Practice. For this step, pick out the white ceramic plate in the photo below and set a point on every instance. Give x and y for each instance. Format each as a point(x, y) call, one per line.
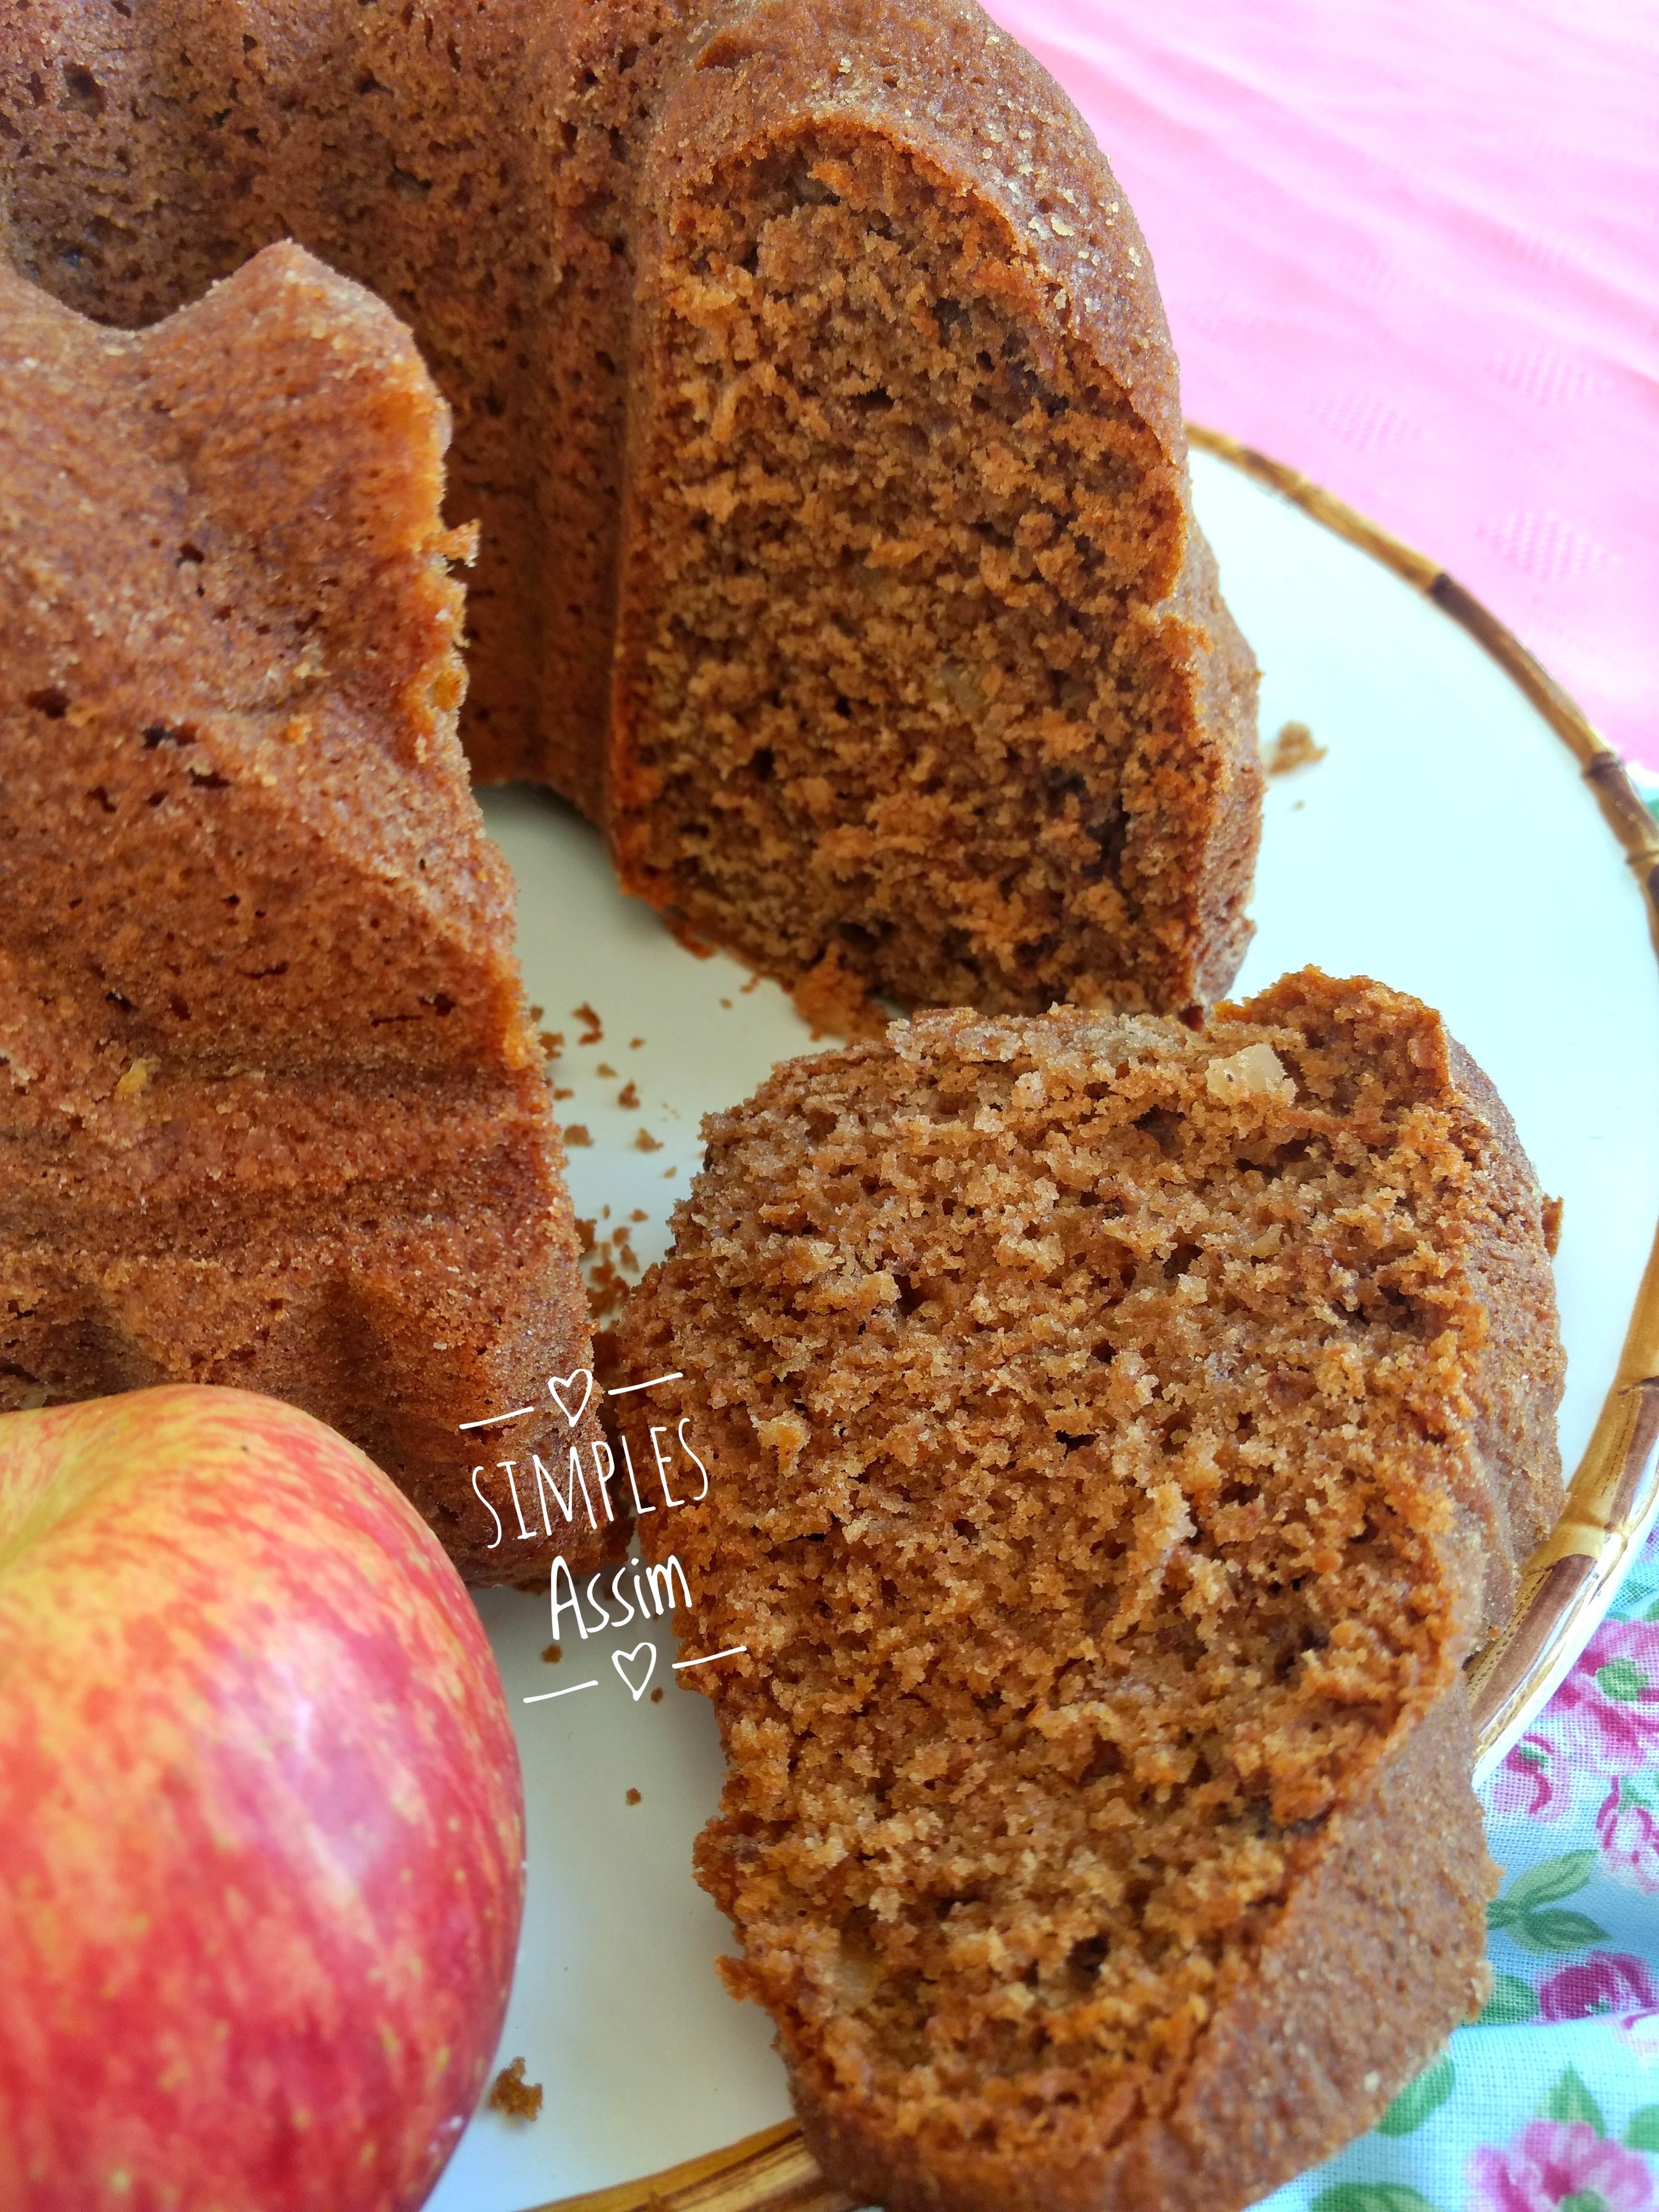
point(1447, 844)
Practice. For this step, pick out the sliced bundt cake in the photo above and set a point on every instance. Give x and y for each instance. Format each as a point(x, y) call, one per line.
point(1121, 1433)
point(273, 1112)
point(813, 393)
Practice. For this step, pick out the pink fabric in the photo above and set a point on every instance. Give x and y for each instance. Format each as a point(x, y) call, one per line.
point(1412, 250)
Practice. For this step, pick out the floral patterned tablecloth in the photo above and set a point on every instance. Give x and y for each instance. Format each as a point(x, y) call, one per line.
point(1551, 2102)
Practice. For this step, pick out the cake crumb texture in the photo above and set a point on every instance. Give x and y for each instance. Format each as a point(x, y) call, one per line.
point(1122, 1434)
point(923, 702)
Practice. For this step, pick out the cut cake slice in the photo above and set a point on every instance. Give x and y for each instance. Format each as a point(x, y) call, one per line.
point(1121, 1436)
point(274, 1114)
point(812, 391)
point(924, 684)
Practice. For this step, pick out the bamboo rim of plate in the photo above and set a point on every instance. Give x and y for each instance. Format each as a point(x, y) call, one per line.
point(1613, 1493)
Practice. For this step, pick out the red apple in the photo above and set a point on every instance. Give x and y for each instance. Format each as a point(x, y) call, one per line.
point(261, 1826)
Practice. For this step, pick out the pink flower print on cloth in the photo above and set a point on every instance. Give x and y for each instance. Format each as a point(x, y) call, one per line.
point(1639, 2033)
point(1627, 1830)
point(1533, 1782)
point(1554, 2168)
point(1608, 1709)
point(1608, 1981)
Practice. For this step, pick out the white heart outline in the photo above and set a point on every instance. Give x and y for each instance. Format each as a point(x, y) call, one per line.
point(621, 1660)
point(558, 1384)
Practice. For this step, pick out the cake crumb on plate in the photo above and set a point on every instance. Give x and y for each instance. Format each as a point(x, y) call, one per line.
point(511, 2093)
point(1293, 747)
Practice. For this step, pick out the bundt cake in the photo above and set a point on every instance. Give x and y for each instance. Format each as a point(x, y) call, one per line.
point(274, 1112)
point(813, 393)
point(1121, 1434)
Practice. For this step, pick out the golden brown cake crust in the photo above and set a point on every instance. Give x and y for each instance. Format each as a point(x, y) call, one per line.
point(497, 175)
point(1121, 1434)
point(1378, 1952)
point(273, 1110)
point(1514, 1368)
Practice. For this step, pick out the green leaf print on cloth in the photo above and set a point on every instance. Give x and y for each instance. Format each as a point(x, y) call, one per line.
point(1567, 2099)
point(1511, 2002)
point(1528, 1914)
point(1371, 2196)
point(1622, 1679)
point(1419, 2100)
